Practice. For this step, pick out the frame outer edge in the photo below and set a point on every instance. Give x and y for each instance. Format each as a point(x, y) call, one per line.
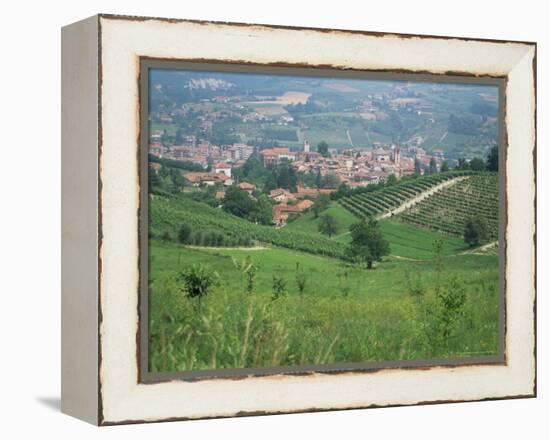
point(80, 225)
point(100, 420)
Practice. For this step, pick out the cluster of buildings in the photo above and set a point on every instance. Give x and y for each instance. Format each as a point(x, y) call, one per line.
point(287, 203)
point(355, 167)
point(201, 153)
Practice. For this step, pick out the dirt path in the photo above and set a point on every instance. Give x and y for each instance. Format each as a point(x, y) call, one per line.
point(225, 248)
point(479, 250)
point(421, 196)
point(349, 139)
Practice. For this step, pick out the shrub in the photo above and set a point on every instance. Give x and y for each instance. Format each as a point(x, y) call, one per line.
point(219, 239)
point(184, 234)
point(197, 238)
point(451, 302)
point(475, 232)
point(279, 287)
point(198, 281)
point(301, 279)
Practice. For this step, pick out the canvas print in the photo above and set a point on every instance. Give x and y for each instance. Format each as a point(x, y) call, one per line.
point(300, 220)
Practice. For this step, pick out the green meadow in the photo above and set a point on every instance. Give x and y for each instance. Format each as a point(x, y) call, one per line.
point(343, 313)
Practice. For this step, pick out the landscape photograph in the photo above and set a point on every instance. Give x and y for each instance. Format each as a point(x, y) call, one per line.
point(302, 220)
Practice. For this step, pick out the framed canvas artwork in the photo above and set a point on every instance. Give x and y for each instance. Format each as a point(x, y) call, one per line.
point(264, 219)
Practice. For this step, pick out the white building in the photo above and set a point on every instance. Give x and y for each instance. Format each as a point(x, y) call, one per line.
point(223, 168)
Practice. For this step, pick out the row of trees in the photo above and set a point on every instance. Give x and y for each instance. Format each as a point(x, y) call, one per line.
point(187, 236)
point(478, 164)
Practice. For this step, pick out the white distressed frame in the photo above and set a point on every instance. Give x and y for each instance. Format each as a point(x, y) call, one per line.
point(123, 41)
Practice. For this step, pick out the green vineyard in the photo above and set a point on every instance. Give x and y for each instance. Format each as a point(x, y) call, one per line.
point(386, 199)
point(449, 209)
point(167, 214)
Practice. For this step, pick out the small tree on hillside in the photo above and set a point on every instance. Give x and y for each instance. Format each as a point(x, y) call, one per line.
point(462, 164)
point(328, 225)
point(367, 243)
point(331, 180)
point(184, 234)
point(301, 279)
point(392, 180)
point(450, 309)
point(279, 287)
point(475, 231)
point(492, 159)
point(417, 167)
point(322, 148)
point(320, 204)
point(444, 167)
point(477, 164)
point(238, 202)
point(433, 166)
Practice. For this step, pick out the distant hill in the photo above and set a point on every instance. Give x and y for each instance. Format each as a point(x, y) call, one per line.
point(460, 119)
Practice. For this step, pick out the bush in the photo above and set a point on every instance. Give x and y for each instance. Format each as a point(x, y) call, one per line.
point(198, 281)
point(279, 287)
point(197, 238)
point(475, 231)
point(184, 234)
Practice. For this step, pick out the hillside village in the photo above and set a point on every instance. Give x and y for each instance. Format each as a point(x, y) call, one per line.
point(352, 167)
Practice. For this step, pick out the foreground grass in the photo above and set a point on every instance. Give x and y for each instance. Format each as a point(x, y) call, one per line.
point(346, 314)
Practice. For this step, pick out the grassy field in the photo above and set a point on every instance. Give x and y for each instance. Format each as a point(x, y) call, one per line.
point(345, 314)
point(403, 309)
point(308, 223)
point(405, 240)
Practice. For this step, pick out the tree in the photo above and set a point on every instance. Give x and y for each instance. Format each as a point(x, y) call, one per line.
point(279, 287)
point(477, 164)
point(270, 182)
point(238, 202)
point(320, 204)
point(444, 167)
point(392, 180)
point(263, 211)
point(367, 243)
point(343, 191)
point(492, 159)
point(475, 231)
point(462, 164)
point(322, 149)
point(301, 279)
point(450, 303)
point(417, 166)
point(433, 166)
point(318, 179)
point(328, 225)
point(198, 281)
point(331, 180)
point(184, 233)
